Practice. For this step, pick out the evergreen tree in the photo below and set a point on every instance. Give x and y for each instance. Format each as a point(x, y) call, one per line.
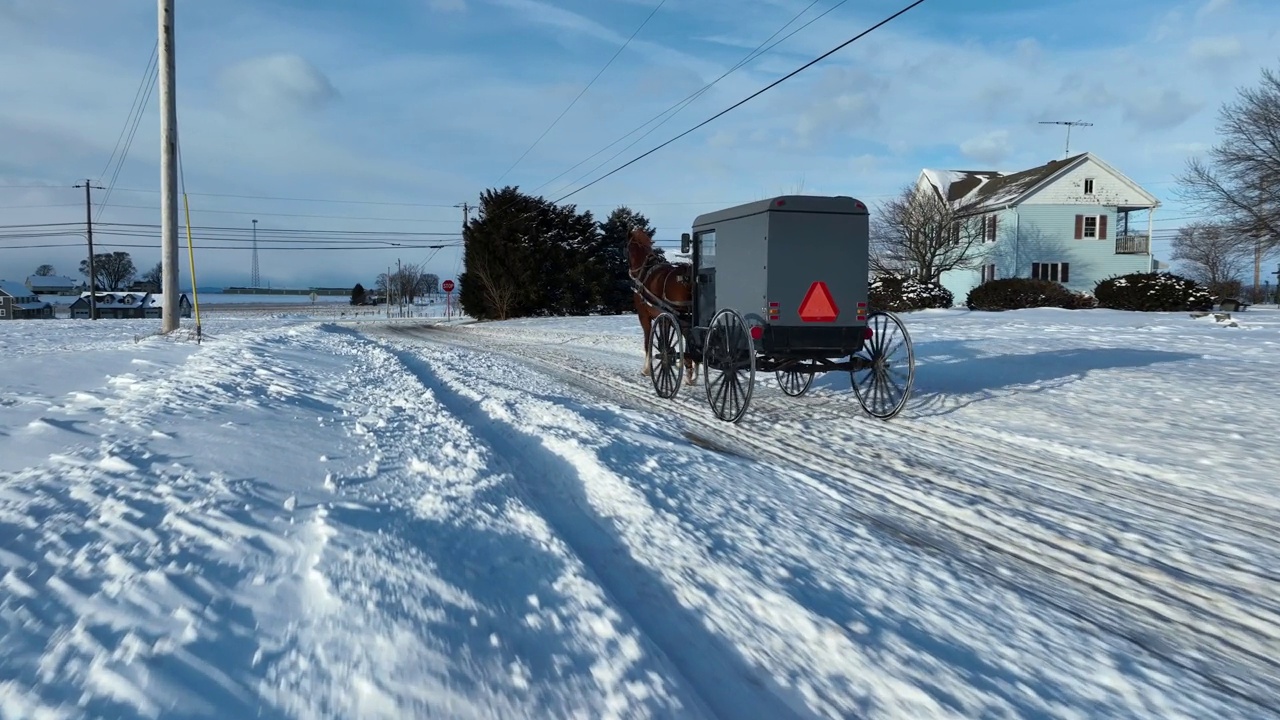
point(357, 294)
point(498, 252)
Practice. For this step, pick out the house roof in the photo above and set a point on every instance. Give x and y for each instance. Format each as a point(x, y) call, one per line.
point(13, 289)
point(977, 190)
point(50, 281)
point(32, 305)
point(157, 299)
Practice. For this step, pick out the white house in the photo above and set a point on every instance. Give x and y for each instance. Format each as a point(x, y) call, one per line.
point(52, 285)
point(1067, 220)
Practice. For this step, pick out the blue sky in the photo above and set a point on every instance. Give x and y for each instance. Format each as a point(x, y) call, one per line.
point(383, 116)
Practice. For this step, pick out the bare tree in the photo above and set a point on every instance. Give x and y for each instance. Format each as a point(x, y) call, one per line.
point(44, 271)
point(113, 271)
point(1239, 183)
point(920, 234)
point(1214, 253)
point(501, 290)
point(154, 276)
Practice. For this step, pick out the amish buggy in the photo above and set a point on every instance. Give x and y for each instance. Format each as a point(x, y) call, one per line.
point(777, 285)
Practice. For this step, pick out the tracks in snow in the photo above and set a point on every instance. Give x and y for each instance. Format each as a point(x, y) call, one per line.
point(1209, 630)
point(723, 684)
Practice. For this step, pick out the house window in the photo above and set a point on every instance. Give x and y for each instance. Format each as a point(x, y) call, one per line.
point(1088, 186)
point(1055, 272)
point(989, 228)
point(988, 273)
point(2, 312)
point(1091, 227)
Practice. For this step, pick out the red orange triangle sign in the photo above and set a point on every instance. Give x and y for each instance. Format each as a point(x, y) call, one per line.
point(818, 305)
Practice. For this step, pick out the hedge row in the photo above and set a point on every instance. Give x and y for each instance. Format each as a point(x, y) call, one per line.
point(1148, 292)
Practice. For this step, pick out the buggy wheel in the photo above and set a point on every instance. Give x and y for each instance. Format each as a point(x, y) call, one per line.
point(729, 365)
point(666, 350)
point(887, 369)
point(794, 382)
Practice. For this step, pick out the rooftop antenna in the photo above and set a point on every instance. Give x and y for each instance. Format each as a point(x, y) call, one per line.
point(1069, 124)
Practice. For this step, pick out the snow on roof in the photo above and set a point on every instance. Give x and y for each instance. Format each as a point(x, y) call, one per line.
point(975, 190)
point(50, 281)
point(32, 305)
point(13, 289)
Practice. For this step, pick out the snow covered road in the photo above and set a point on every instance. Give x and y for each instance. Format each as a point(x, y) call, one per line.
point(390, 520)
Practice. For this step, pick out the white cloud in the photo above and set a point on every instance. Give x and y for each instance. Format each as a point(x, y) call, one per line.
point(284, 83)
point(1211, 7)
point(1217, 52)
point(990, 149)
point(1160, 110)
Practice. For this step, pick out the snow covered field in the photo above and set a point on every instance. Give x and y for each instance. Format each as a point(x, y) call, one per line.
point(1077, 516)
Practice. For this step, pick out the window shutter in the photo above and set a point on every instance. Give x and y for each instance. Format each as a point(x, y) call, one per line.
point(1035, 270)
point(1079, 227)
point(1102, 227)
point(991, 229)
point(1066, 272)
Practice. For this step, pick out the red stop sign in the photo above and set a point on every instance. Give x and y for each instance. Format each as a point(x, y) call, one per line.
point(447, 285)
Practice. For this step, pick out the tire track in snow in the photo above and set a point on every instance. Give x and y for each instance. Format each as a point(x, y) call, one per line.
point(468, 601)
point(1154, 481)
point(1015, 479)
point(724, 683)
point(1234, 660)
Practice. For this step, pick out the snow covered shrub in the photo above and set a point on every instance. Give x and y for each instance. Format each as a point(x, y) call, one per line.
point(1152, 292)
point(901, 293)
point(1082, 301)
point(1021, 293)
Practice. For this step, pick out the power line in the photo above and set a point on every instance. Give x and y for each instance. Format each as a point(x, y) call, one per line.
point(142, 84)
point(750, 97)
point(688, 100)
point(133, 121)
point(583, 91)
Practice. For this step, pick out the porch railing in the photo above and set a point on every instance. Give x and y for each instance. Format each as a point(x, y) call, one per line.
point(1132, 244)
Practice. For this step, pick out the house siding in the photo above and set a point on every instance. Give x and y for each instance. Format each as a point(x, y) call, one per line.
point(961, 280)
point(1046, 234)
point(1069, 189)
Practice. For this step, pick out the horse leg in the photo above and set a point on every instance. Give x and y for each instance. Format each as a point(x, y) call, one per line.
point(646, 323)
point(691, 373)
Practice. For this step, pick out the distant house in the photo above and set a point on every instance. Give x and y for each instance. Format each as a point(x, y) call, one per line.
point(113, 304)
point(17, 302)
point(122, 304)
point(1067, 220)
point(154, 305)
point(52, 285)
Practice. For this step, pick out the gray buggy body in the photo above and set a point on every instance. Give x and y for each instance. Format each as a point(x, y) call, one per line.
point(781, 286)
point(751, 256)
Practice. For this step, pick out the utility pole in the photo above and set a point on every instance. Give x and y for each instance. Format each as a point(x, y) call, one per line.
point(168, 171)
point(1070, 124)
point(255, 279)
point(88, 226)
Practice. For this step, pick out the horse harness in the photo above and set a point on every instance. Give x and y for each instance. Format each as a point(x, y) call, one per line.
point(653, 265)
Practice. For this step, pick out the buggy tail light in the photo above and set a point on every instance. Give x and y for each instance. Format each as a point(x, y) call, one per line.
point(757, 332)
point(868, 333)
point(862, 313)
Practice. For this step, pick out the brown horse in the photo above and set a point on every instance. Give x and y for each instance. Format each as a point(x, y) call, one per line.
point(668, 288)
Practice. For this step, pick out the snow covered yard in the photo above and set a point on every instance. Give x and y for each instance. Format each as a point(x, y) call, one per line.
point(1077, 516)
